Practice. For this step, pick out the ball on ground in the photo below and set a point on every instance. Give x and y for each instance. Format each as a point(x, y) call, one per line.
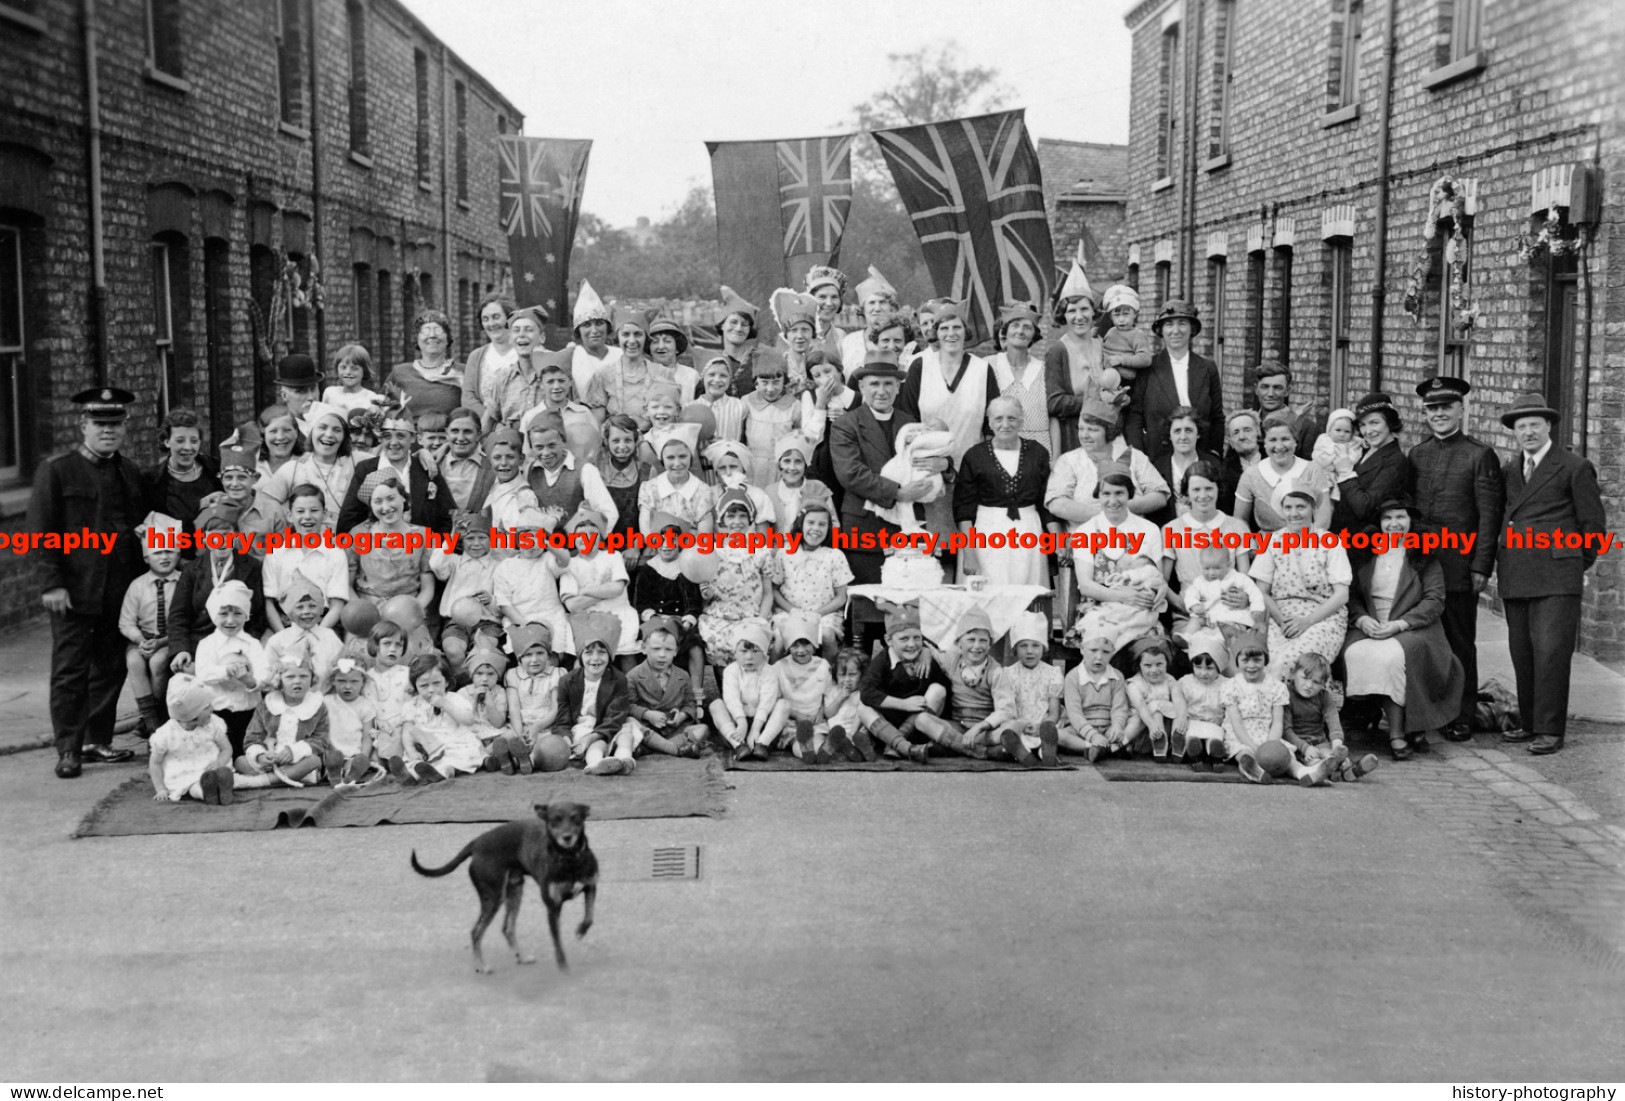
point(1274, 757)
point(552, 753)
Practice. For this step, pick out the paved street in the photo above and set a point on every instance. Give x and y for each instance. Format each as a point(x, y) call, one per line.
point(1459, 917)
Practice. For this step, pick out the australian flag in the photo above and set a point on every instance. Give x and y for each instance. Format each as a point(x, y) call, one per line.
point(973, 189)
point(540, 182)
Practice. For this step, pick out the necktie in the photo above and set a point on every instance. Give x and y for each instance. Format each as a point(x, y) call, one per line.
point(158, 584)
point(1528, 467)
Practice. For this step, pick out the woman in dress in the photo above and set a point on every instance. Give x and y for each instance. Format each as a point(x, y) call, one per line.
point(327, 465)
point(1305, 592)
point(1262, 488)
point(1382, 473)
point(1396, 647)
point(487, 363)
point(1000, 488)
point(667, 341)
point(385, 572)
point(280, 439)
point(1199, 489)
point(1243, 450)
point(1017, 375)
point(828, 286)
point(876, 297)
point(1095, 571)
point(1070, 494)
point(181, 482)
point(434, 381)
point(949, 384)
point(620, 387)
point(1182, 434)
point(1072, 370)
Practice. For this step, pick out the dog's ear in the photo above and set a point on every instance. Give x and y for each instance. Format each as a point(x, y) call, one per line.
point(583, 808)
point(540, 809)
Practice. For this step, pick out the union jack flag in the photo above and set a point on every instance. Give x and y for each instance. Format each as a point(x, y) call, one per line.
point(539, 182)
point(972, 187)
point(815, 193)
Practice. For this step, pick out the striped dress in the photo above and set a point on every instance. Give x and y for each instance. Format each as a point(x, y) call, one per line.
point(1026, 386)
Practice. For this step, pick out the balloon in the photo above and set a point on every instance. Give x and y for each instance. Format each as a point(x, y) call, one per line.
point(1273, 757)
point(552, 753)
point(699, 568)
point(359, 617)
point(402, 611)
point(467, 612)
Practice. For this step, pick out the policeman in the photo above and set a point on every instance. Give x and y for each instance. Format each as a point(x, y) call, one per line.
point(94, 487)
point(1456, 483)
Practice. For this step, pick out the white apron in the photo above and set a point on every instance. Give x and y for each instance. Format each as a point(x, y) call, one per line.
point(962, 410)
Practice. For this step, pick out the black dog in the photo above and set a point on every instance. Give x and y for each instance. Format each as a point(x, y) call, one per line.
point(553, 851)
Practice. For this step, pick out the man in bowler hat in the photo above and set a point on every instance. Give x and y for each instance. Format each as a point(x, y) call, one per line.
point(90, 487)
point(1456, 483)
point(1552, 498)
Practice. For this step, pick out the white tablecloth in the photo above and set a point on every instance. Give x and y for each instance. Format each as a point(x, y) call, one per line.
point(942, 608)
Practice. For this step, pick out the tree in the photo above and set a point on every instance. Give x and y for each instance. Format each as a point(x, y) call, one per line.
point(932, 84)
point(681, 262)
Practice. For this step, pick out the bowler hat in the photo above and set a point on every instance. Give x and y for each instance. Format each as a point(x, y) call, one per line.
point(299, 371)
point(876, 367)
point(1530, 405)
point(1177, 308)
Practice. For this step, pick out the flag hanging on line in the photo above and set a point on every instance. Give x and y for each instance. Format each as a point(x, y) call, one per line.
point(540, 182)
point(973, 189)
point(781, 208)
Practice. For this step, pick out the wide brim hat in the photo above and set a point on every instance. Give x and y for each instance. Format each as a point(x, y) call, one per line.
point(876, 368)
point(1530, 405)
point(1176, 308)
point(667, 325)
point(298, 370)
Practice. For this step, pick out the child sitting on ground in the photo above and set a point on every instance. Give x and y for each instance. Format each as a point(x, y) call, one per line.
point(1340, 442)
point(306, 634)
point(905, 681)
point(1156, 705)
point(143, 619)
point(748, 715)
point(1203, 689)
point(1036, 688)
point(1313, 728)
point(190, 754)
point(488, 700)
point(595, 701)
point(662, 706)
point(469, 593)
point(389, 686)
point(1204, 598)
point(980, 699)
point(1126, 348)
point(858, 723)
point(1096, 698)
point(352, 721)
point(533, 694)
point(233, 663)
point(660, 589)
point(1254, 719)
point(804, 679)
point(437, 727)
point(287, 737)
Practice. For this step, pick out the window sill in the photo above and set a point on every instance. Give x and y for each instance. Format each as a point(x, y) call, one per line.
point(166, 80)
point(1464, 66)
point(464, 204)
point(1340, 116)
point(361, 159)
point(21, 19)
point(1162, 185)
point(14, 500)
point(1214, 164)
point(425, 186)
point(293, 131)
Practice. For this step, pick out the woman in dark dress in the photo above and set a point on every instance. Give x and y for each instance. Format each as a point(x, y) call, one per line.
point(1000, 488)
point(179, 484)
point(1383, 472)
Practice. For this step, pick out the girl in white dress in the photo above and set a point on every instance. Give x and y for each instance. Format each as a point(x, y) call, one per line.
point(190, 755)
point(813, 580)
point(596, 580)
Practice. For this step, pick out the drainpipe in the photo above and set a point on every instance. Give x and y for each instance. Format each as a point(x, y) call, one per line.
point(1380, 257)
point(98, 262)
point(445, 199)
point(1187, 232)
point(318, 237)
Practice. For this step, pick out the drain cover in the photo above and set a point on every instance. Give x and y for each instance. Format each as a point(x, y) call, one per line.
point(675, 862)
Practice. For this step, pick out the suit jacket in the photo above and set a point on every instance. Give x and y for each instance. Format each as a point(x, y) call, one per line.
point(1153, 396)
point(859, 447)
point(426, 509)
point(1433, 674)
point(1562, 494)
point(1456, 483)
point(189, 610)
point(67, 498)
point(614, 703)
point(1379, 475)
point(483, 483)
point(1164, 465)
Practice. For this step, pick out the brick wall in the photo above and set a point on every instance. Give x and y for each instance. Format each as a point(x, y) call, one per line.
point(1544, 97)
point(206, 160)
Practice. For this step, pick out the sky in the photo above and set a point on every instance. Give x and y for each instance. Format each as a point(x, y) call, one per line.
point(650, 81)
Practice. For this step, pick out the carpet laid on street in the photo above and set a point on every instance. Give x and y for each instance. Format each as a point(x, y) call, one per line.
point(662, 787)
point(785, 762)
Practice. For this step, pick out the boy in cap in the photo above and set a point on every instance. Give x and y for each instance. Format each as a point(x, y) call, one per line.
point(669, 720)
point(905, 680)
point(305, 633)
point(143, 619)
point(750, 714)
point(189, 753)
point(1126, 348)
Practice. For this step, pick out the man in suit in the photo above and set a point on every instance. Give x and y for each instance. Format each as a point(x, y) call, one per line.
point(429, 499)
point(1456, 484)
point(1177, 376)
point(1552, 502)
point(1273, 387)
point(91, 487)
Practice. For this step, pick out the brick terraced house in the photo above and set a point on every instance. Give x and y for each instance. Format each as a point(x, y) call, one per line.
point(177, 177)
point(1371, 191)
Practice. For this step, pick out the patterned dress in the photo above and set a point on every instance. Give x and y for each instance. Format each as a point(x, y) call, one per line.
point(1034, 690)
point(1257, 704)
point(736, 599)
point(1299, 582)
point(691, 502)
point(605, 568)
point(1025, 385)
point(1204, 705)
point(808, 579)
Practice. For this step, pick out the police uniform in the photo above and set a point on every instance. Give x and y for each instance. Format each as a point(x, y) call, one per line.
point(73, 492)
point(1457, 484)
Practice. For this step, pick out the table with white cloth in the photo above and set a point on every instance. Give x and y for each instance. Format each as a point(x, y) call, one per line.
point(942, 607)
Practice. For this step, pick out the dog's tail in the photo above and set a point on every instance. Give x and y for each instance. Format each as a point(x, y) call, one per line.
point(468, 850)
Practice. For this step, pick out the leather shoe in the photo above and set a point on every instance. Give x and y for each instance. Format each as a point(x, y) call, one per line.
point(1457, 732)
point(1546, 743)
point(106, 754)
point(67, 766)
point(1518, 736)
